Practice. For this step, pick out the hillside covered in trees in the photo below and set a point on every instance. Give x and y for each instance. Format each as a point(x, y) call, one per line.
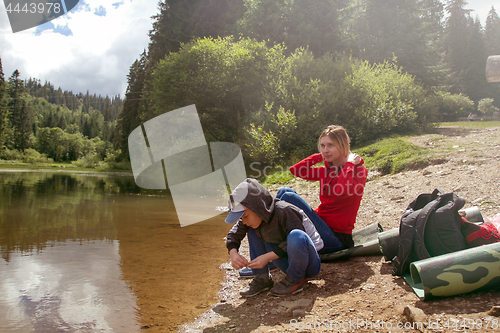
point(269, 75)
point(39, 123)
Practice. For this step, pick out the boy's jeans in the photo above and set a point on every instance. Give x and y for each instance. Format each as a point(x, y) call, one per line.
point(332, 243)
point(303, 260)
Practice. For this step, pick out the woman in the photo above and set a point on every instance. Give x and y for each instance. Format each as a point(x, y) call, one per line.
point(342, 180)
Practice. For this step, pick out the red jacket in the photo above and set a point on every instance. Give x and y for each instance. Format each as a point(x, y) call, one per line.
point(340, 194)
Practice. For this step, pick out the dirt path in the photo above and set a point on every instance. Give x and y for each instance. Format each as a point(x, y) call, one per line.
point(360, 293)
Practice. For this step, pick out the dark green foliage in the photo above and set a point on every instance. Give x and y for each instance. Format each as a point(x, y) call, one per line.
point(492, 42)
point(62, 146)
point(60, 132)
point(3, 105)
point(301, 23)
point(21, 116)
point(419, 69)
point(134, 106)
point(275, 106)
point(179, 21)
point(226, 80)
point(109, 107)
point(492, 33)
point(405, 30)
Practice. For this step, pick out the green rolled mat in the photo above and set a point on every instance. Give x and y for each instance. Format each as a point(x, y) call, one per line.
point(389, 243)
point(456, 273)
point(367, 233)
point(365, 243)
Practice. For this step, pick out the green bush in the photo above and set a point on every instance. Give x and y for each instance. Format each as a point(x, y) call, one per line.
point(453, 106)
point(276, 105)
point(11, 155)
point(27, 156)
point(486, 107)
point(91, 160)
point(33, 157)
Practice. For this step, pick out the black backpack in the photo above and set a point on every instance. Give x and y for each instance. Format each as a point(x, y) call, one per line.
point(429, 227)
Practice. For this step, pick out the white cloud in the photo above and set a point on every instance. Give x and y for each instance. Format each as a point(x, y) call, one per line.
point(96, 57)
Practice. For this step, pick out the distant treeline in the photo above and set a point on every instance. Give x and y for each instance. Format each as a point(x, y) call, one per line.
point(39, 123)
point(109, 107)
point(269, 75)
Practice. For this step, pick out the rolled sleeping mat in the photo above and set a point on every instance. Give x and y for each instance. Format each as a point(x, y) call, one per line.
point(367, 233)
point(389, 243)
point(460, 272)
point(369, 248)
point(365, 243)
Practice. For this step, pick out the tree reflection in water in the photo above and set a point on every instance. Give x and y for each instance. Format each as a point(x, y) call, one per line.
point(74, 246)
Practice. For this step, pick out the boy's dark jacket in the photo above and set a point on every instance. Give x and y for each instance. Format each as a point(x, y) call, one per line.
point(278, 219)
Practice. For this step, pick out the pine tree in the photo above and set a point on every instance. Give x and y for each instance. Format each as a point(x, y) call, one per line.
point(21, 116)
point(133, 106)
point(405, 30)
point(179, 21)
point(492, 33)
point(475, 84)
point(492, 41)
point(455, 42)
point(3, 105)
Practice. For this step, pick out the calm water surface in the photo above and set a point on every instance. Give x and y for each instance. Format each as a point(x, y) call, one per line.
point(95, 253)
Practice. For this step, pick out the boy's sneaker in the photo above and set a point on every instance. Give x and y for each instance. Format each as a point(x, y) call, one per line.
point(256, 286)
point(287, 287)
point(248, 273)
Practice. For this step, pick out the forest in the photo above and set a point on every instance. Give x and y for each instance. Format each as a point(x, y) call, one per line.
point(269, 75)
point(41, 124)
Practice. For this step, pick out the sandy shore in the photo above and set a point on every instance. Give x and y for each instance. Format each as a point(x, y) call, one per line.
point(362, 289)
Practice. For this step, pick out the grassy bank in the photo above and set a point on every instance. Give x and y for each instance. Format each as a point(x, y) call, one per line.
point(387, 156)
point(20, 165)
point(396, 154)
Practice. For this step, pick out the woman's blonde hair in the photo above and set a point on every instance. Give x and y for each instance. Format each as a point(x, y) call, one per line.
point(339, 136)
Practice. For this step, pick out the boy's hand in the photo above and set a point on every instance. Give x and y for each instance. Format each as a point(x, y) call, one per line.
point(262, 260)
point(237, 260)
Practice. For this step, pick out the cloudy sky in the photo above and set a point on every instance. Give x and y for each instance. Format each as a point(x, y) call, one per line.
point(93, 46)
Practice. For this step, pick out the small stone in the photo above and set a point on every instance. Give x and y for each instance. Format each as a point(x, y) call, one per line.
point(495, 311)
point(298, 313)
point(414, 315)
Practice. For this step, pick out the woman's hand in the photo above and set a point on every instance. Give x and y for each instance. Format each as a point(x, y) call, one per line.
point(237, 260)
point(354, 158)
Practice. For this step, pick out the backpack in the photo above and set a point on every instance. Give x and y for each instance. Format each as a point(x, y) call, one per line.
point(429, 227)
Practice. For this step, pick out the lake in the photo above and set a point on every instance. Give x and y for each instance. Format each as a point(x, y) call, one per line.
point(96, 253)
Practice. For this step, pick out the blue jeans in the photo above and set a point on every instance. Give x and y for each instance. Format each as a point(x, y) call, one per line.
point(332, 243)
point(302, 261)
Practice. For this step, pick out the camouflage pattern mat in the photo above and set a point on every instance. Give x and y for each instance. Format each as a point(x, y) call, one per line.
point(389, 243)
point(365, 243)
point(456, 273)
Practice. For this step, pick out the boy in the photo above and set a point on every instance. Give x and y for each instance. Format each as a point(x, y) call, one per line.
point(277, 231)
